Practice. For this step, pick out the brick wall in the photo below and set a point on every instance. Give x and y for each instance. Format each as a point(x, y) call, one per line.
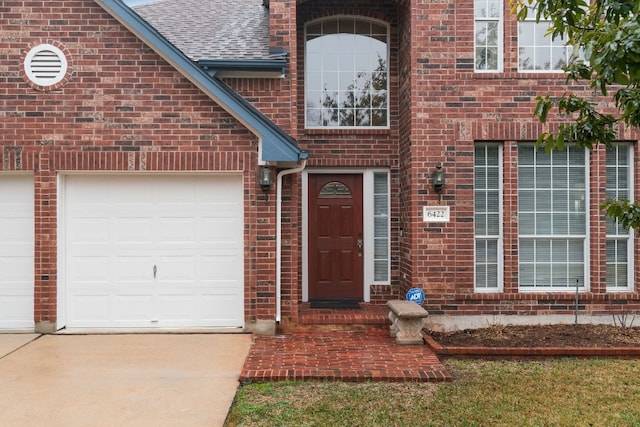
point(122, 109)
point(452, 108)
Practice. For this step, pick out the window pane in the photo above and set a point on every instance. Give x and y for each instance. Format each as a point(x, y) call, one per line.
point(380, 203)
point(575, 250)
point(560, 224)
point(526, 224)
point(559, 252)
point(381, 249)
point(526, 176)
point(379, 117)
point(543, 250)
point(481, 276)
point(493, 200)
point(481, 33)
point(577, 223)
point(543, 198)
point(493, 224)
point(527, 250)
point(543, 275)
point(492, 34)
point(382, 226)
point(543, 223)
point(481, 224)
point(560, 201)
point(381, 268)
point(526, 155)
point(559, 159)
point(559, 177)
point(543, 177)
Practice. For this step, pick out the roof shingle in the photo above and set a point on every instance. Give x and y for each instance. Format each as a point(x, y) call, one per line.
point(212, 29)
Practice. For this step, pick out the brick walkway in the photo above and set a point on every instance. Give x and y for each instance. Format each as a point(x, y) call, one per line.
point(365, 355)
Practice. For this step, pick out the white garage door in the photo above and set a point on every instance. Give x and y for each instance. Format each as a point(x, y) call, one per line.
point(16, 252)
point(154, 251)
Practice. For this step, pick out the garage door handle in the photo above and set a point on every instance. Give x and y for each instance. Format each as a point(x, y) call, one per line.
point(155, 271)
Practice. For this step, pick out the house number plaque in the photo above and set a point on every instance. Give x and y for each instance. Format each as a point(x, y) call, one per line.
point(436, 214)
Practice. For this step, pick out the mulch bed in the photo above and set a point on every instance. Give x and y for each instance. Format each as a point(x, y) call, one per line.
point(541, 336)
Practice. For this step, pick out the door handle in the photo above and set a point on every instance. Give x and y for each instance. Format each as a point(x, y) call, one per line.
point(155, 271)
point(359, 242)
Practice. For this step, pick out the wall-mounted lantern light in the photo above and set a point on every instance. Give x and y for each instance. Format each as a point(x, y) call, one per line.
point(438, 178)
point(265, 179)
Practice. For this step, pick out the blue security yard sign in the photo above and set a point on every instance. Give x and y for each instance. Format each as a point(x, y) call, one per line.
point(416, 295)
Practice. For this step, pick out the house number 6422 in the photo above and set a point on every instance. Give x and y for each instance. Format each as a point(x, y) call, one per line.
point(436, 214)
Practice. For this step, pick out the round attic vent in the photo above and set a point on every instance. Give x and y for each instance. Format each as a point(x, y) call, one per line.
point(45, 65)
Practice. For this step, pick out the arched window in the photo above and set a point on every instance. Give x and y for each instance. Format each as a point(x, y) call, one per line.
point(335, 189)
point(346, 73)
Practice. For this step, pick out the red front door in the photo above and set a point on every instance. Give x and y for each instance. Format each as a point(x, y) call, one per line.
point(335, 237)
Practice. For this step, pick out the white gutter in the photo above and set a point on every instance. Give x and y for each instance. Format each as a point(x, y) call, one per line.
point(279, 235)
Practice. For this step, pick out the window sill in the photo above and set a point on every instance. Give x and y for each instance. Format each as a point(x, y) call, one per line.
point(512, 75)
point(348, 131)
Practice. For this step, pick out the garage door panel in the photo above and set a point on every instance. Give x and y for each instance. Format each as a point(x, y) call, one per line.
point(134, 307)
point(139, 191)
point(87, 193)
point(16, 251)
point(90, 269)
point(90, 310)
point(177, 230)
point(220, 231)
point(13, 271)
point(177, 268)
point(132, 230)
point(132, 268)
point(177, 307)
point(12, 230)
point(16, 309)
point(89, 230)
point(219, 308)
point(220, 267)
point(189, 227)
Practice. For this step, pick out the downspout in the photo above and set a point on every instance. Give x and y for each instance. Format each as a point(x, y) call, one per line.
point(279, 235)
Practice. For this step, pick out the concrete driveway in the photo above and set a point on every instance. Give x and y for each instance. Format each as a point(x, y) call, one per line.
point(119, 380)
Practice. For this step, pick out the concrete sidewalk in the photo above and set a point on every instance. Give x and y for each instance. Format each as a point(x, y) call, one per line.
point(123, 380)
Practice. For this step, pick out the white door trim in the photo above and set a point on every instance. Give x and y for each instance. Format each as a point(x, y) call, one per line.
point(367, 221)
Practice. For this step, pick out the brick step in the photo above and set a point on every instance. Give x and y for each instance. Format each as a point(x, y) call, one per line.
point(367, 318)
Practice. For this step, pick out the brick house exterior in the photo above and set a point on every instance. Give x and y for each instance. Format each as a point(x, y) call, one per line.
point(130, 106)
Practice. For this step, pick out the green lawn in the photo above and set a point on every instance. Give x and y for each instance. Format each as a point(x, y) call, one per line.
point(564, 392)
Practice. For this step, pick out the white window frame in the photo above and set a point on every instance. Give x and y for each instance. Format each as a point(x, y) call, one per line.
point(550, 44)
point(583, 286)
point(368, 224)
point(484, 20)
point(498, 238)
point(307, 70)
point(629, 236)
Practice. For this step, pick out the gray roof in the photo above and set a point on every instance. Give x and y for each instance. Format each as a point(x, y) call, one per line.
point(212, 29)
